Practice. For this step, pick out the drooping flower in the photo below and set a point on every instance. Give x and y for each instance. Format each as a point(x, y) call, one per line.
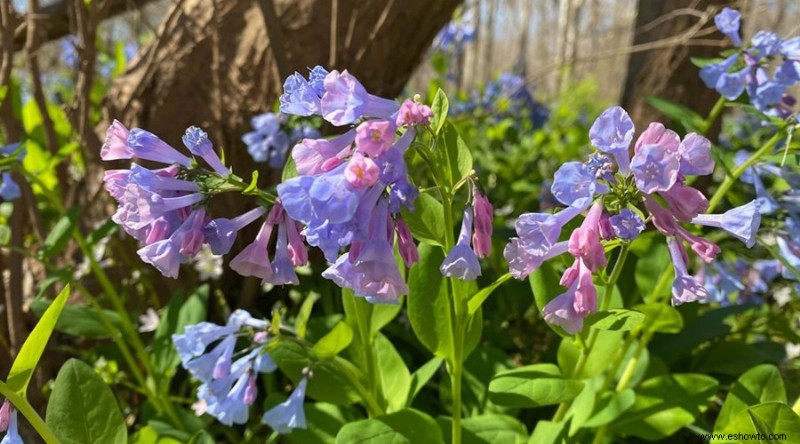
point(220, 233)
point(484, 214)
point(288, 415)
point(346, 100)
point(741, 222)
point(728, 22)
point(196, 140)
point(8, 424)
point(462, 262)
point(569, 309)
point(685, 287)
point(9, 190)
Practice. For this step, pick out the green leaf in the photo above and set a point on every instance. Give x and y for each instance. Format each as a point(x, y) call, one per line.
point(768, 419)
point(532, 386)
point(606, 344)
point(82, 409)
point(407, 426)
point(305, 313)
point(394, 375)
point(327, 419)
point(615, 319)
point(421, 377)
point(701, 62)
point(610, 406)
point(289, 169)
point(428, 304)
point(679, 113)
point(456, 155)
point(79, 320)
point(661, 318)
point(760, 384)
point(665, 404)
point(334, 342)
point(22, 370)
point(60, 235)
point(426, 222)
point(476, 300)
point(179, 313)
point(486, 429)
point(440, 107)
point(548, 432)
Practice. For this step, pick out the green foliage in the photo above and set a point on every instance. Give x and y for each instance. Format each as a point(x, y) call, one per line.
point(533, 386)
point(407, 426)
point(82, 409)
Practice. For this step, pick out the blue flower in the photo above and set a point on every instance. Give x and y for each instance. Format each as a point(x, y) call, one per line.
point(741, 222)
point(9, 190)
point(627, 224)
point(612, 133)
point(288, 415)
point(728, 22)
point(462, 262)
point(654, 168)
point(575, 185)
point(299, 97)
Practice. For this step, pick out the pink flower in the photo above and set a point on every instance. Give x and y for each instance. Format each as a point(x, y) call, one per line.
point(584, 242)
point(374, 137)
point(482, 237)
point(413, 113)
point(361, 172)
point(116, 144)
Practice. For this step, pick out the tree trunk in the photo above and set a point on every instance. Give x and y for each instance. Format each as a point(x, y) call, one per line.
point(668, 72)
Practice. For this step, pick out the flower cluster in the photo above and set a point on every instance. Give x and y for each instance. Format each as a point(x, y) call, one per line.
point(9, 190)
point(351, 188)
point(620, 193)
point(748, 69)
point(746, 282)
point(8, 424)
point(270, 140)
point(455, 34)
point(229, 387)
point(462, 261)
point(510, 89)
point(162, 208)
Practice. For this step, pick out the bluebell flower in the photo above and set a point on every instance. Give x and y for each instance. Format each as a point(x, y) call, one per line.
point(196, 140)
point(299, 97)
point(316, 78)
point(612, 133)
point(575, 185)
point(627, 224)
point(741, 222)
point(462, 262)
point(766, 43)
point(728, 22)
point(288, 415)
point(654, 169)
point(9, 189)
point(8, 423)
point(267, 141)
point(146, 145)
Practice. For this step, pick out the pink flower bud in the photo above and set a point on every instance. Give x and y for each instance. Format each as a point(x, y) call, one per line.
point(405, 243)
point(361, 172)
point(374, 137)
point(482, 237)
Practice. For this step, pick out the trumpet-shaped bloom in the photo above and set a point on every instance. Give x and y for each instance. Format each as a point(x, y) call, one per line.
point(741, 222)
point(288, 415)
point(253, 260)
point(375, 136)
point(655, 168)
point(462, 262)
point(612, 133)
point(685, 287)
point(575, 185)
point(9, 190)
point(346, 100)
point(146, 145)
point(569, 309)
point(627, 224)
point(299, 97)
point(220, 233)
point(198, 143)
point(484, 213)
point(728, 22)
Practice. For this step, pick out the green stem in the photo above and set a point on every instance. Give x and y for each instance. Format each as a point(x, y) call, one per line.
point(739, 170)
point(36, 421)
point(714, 114)
point(612, 281)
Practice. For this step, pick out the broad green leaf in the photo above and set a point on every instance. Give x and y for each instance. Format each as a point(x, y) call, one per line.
point(476, 300)
point(80, 320)
point(532, 386)
point(665, 404)
point(734, 357)
point(179, 313)
point(661, 318)
point(394, 375)
point(486, 429)
point(428, 304)
point(770, 419)
point(610, 406)
point(421, 377)
point(82, 409)
point(60, 235)
point(548, 432)
point(22, 370)
point(332, 381)
point(606, 344)
point(334, 342)
point(760, 384)
point(615, 319)
point(305, 313)
point(455, 157)
point(440, 108)
point(426, 222)
point(407, 426)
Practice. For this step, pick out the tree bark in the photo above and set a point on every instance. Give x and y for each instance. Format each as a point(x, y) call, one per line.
point(668, 73)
